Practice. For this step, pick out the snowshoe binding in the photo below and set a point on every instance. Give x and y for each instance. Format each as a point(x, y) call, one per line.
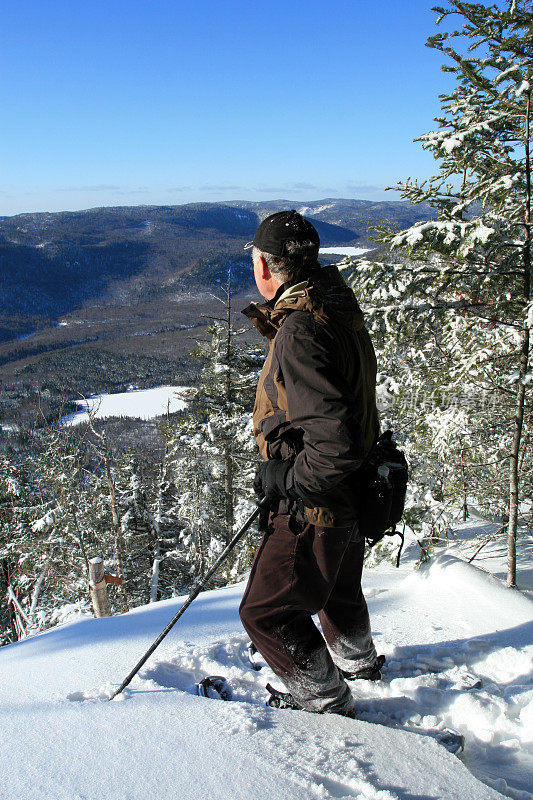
point(214, 686)
point(452, 740)
point(251, 650)
point(471, 681)
point(279, 699)
point(371, 673)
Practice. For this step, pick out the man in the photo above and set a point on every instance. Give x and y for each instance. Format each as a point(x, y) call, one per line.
point(315, 420)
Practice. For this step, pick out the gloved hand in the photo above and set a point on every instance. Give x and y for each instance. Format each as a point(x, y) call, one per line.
point(273, 480)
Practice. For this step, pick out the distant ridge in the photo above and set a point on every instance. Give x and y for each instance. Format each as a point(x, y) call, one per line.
point(52, 263)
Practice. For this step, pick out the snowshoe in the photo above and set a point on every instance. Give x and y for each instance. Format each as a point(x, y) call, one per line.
point(251, 650)
point(279, 699)
point(372, 673)
point(452, 740)
point(214, 686)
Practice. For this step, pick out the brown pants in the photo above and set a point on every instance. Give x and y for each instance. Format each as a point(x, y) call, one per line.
point(301, 570)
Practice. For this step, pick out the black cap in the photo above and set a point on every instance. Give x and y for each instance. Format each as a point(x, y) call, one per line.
point(284, 226)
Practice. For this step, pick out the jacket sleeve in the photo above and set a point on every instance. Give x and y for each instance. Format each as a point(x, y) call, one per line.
point(321, 403)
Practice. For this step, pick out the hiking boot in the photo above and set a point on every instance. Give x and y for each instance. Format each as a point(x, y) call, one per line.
point(279, 699)
point(350, 714)
point(371, 673)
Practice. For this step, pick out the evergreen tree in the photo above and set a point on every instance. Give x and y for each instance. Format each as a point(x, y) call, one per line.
point(138, 534)
point(55, 517)
point(478, 281)
point(436, 390)
point(213, 450)
point(14, 492)
point(170, 564)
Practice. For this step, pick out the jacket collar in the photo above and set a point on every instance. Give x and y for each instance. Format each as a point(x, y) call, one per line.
point(267, 317)
point(325, 284)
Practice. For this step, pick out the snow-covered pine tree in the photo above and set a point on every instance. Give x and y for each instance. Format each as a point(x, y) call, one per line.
point(54, 521)
point(14, 492)
point(138, 532)
point(482, 194)
point(170, 567)
point(200, 502)
point(434, 392)
point(106, 472)
point(214, 454)
point(411, 390)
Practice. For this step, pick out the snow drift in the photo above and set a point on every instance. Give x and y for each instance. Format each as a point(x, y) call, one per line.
point(458, 653)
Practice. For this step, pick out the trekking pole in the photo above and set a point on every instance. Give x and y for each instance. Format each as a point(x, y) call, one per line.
point(193, 595)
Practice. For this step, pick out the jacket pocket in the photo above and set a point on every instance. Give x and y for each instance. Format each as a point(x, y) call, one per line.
point(274, 425)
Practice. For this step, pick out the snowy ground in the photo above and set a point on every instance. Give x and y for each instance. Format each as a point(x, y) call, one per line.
point(139, 403)
point(459, 654)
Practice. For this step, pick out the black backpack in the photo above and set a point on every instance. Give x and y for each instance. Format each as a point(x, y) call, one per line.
point(381, 488)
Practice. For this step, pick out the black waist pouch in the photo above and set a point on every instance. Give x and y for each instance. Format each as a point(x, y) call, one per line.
point(381, 486)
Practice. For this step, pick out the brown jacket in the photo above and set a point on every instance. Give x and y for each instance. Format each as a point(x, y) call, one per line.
point(315, 401)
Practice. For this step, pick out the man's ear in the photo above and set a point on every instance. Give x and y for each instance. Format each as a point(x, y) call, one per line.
point(263, 269)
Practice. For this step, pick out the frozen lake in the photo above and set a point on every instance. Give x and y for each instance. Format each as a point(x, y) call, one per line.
point(344, 251)
point(138, 403)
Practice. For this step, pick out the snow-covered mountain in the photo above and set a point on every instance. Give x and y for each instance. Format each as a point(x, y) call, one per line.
point(459, 654)
point(53, 263)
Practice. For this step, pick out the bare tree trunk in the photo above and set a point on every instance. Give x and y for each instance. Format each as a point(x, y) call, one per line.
point(37, 592)
point(523, 447)
point(200, 541)
point(6, 581)
point(465, 501)
point(13, 623)
point(228, 490)
point(156, 527)
point(20, 618)
point(154, 581)
point(228, 454)
point(114, 514)
point(80, 538)
point(116, 522)
point(201, 552)
point(523, 367)
point(513, 470)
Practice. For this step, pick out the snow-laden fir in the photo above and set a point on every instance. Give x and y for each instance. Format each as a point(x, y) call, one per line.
point(456, 642)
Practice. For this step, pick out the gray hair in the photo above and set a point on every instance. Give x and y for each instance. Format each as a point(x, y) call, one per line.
point(299, 260)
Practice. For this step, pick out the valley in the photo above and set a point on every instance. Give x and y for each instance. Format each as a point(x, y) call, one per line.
point(96, 300)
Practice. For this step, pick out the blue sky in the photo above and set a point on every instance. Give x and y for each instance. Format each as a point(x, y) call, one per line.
point(163, 102)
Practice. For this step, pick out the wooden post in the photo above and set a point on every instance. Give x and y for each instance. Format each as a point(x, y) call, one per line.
point(98, 587)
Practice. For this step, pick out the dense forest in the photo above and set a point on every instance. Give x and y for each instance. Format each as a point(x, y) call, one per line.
point(448, 304)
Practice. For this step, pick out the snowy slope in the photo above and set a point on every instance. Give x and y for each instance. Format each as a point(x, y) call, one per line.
point(437, 627)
